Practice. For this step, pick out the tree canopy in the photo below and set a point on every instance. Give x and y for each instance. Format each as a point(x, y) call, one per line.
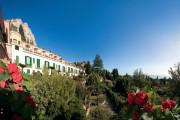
point(98, 62)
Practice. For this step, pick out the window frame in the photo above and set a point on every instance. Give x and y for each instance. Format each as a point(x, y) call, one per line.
point(16, 47)
point(30, 61)
point(38, 61)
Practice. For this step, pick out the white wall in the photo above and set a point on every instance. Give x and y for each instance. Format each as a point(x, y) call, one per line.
point(21, 53)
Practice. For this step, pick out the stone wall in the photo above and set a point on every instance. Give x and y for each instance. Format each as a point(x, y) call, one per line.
point(3, 51)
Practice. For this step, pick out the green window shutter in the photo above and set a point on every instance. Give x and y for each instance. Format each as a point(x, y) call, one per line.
point(17, 59)
point(64, 69)
point(38, 63)
point(33, 60)
point(46, 64)
point(16, 47)
point(28, 61)
point(71, 70)
point(28, 71)
point(59, 67)
point(54, 65)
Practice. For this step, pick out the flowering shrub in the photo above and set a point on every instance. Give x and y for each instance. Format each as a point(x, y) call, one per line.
point(140, 100)
point(142, 106)
point(168, 104)
point(15, 100)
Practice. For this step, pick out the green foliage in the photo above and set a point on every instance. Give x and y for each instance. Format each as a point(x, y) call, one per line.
point(93, 79)
point(4, 76)
point(2, 64)
point(175, 74)
point(88, 68)
point(165, 115)
point(94, 84)
point(100, 113)
point(121, 86)
point(56, 95)
point(138, 77)
point(80, 90)
point(118, 102)
point(61, 98)
point(108, 75)
point(98, 63)
point(14, 101)
point(115, 74)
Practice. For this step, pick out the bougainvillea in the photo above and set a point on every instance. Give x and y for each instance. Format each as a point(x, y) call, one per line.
point(16, 101)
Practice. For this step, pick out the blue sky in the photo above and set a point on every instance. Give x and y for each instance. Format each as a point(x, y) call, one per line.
point(128, 34)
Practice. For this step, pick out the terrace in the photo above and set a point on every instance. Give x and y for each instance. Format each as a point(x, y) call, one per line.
point(46, 54)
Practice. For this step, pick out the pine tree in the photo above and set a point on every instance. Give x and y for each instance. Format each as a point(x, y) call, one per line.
point(115, 74)
point(98, 63)
point(88, 68)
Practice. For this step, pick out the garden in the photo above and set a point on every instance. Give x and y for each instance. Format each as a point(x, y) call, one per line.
point(96, 94)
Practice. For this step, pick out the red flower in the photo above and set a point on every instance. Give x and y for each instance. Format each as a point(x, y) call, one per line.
point(15, 73)
point(30, 101)
point(131, 97)
point(168, 104)
point(1, 69)
point(173, 103)
point(141, 98)
point(3, 84)
point(149, 107)
point(135, 116)
point(17, 76)
point(16, 117)
point(18, 88)
point(12, 68)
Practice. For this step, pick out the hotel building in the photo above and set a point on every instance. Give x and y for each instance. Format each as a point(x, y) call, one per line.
point(22, 48)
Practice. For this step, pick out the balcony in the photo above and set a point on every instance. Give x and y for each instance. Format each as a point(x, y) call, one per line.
point(43, 53)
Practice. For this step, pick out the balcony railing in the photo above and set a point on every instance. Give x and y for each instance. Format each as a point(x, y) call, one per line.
point(50, 56)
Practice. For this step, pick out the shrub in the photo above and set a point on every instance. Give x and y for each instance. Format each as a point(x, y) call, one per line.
point(141, 104)
point(56, 96)
point(16, 102)
point(100, 113)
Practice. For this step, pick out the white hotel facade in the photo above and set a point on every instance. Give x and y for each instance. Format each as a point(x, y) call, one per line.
point(22, 48)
